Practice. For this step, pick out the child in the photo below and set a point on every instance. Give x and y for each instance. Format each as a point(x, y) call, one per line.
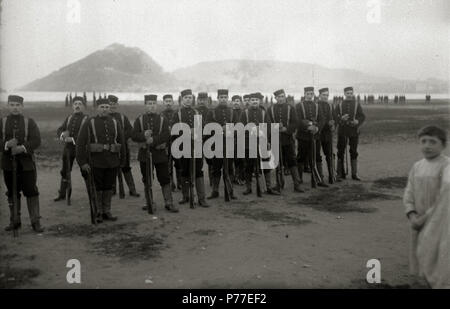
point(427, 202)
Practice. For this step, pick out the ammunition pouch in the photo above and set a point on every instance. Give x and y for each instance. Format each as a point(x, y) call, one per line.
point(115, 148)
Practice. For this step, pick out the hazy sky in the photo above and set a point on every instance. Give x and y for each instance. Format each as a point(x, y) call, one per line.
point(400, 38)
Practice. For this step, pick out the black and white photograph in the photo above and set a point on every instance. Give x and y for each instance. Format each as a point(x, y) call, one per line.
point(232, 145)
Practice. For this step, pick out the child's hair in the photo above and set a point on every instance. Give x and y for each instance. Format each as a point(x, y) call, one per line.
point(434, 131)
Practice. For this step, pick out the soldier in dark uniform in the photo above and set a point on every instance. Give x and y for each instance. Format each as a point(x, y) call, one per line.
point(310, 123)
point(102, 136)
point(127, 130)
point(350, 117)
point(255, 114)
point(152, 130)
point(239, 163)
point(168, 113)
point(246, 99)
point(186, 115)
point(221, 115)
point(68, 133)
point(19, 137)
point(203, 101)
point(326, 134)
point(285, 115)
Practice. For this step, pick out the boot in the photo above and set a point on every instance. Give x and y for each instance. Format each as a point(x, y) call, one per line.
point(99, 195)
point(354, 164)
point(200, 186)
point(270, 190)
point(184, 191)
point(248, 186)
point(296, 179)
point(13, 225)
point(106, 202)
point(330, 172)
point(215, 188)
point(300, 172)
point(62, 191)
point(319, 169)
point(340, 170)
point(130, 183)
point(167, 194)
point(33, 210)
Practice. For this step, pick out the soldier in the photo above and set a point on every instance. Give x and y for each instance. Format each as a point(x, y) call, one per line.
point(168, 113)
point(68, 133)
point(186, 115)
point(222, 115)
point(246, 99)
point(326, 134)
point(102, 136)
point(239, 163)
point(284, 114)
point(19, 138)
point(152, 130)
point(203, 101)
point(127, 130)
point(350, 117)
point(255, 114)
point(310, 122)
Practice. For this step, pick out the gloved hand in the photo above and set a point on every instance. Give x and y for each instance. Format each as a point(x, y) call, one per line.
point(17, 150)
point(345, 117)
point(64, 135)
point(86, 168)
point(11, 143)
point(69, 140)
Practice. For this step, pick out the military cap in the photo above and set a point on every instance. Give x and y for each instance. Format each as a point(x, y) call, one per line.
point(186, 92)
point(236, 97)
point(222, 92)
point(150, 97)
point(78, 98)
point(309, 89)
point(167, 96)
point(278, 92)
point(256, 95)
point(348, 89)
point(113, 98)
point(259, 95)
point(15, 98)
point(323, 90)
point(202, 95)
point(246, 96)
point(103, 101)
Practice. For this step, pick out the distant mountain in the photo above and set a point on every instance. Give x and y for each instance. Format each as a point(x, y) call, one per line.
point(114, 68)
point(120, 68)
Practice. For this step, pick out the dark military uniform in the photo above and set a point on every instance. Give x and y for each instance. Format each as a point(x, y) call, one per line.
point(307, 113)
point(221, 115)
point(159, 126)
point(168, 114)
point(239, 163)
point(126, 168)
point(257, 116)
point(203, 110)
point(186, 115)
point(326, 139)
point(102, 137)
point(348, 132)
point(72, 124)
point(27, 134)
point(285, 115)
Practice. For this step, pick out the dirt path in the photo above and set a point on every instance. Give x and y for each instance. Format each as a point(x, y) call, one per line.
point(319, 239)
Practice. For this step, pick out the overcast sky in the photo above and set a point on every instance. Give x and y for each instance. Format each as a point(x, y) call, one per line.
point(404, 39)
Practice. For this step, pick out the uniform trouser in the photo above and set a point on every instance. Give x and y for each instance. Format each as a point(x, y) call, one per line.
point(71, 158)
point(304, 151)
point(288, 154)
point(327, 149)
point(26, 182)
point(239, 165)
point(186, 167)
point(162, 172)
point(341, 144)
point(104, 178)
point(127, 167)
point(250, 167)
point(218, 164)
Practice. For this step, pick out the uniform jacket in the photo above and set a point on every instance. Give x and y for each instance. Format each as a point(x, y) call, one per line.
point(72, 124)
point(32, 142)
point(160, 133)
point(308, 111)
point(327, 112)
point(354, 110)
point(285, 115)
point(107, 133)
point(124, 123)
point(256, 116)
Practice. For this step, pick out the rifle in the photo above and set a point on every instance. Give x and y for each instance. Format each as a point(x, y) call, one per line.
point(148, 179)
point(92, 192)
point(226, 177)
point(315, 176)
point(280, 168)
point(192, 179)
point(120, 178)
point(332, 159)
point(15, 213)
point(68, 177)
point(260, 179)
point(172, 185)
point(346, 157)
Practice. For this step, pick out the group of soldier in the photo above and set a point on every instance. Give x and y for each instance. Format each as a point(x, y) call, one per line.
point(101, 146)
